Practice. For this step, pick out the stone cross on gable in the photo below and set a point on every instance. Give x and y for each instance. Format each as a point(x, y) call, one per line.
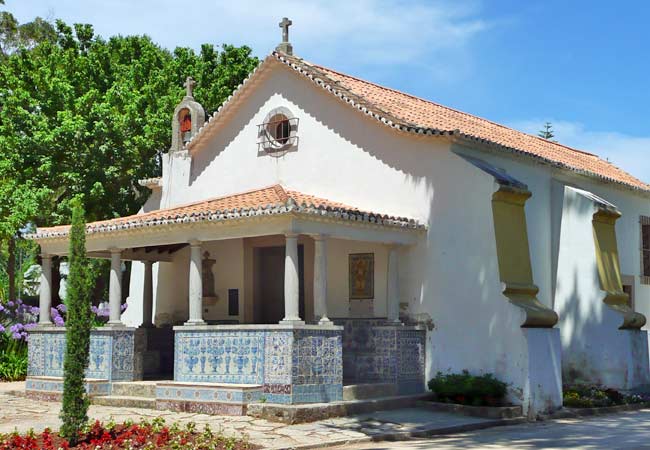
point(285, 46)
point(189, 86)
point(285, 24)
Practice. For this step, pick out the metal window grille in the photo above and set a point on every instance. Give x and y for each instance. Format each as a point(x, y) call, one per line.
point(277, 134)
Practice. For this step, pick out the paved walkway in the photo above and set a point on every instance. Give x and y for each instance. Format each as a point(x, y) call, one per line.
point(629, 430)
point(22, 414)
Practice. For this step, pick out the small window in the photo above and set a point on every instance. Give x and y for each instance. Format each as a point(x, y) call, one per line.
point(645, 250)
point(279, 128)
point(278, 133)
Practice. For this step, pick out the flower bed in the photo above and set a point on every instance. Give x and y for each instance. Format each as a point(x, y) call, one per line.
point(128, 435)
point(590, 396)
point(466, 389)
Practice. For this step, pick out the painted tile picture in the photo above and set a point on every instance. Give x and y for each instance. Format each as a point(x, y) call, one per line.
point(362, 276)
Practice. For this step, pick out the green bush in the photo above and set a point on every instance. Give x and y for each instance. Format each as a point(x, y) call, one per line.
point(481, 390)
point(590, 396)
point(13, 359)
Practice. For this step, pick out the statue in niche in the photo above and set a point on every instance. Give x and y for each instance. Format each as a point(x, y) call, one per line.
point(208, 276)
point(185, 124)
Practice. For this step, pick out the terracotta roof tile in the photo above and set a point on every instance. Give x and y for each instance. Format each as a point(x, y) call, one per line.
point(417, 115)
point(269, 200)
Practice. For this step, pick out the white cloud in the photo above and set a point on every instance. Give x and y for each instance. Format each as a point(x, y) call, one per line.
point(630, 153)
point(427, 33)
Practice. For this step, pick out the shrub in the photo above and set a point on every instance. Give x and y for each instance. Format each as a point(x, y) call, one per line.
point(593, 396)
point(468, 389)
point(13, 358)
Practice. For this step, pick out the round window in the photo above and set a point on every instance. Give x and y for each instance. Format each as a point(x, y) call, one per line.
point(279, 129)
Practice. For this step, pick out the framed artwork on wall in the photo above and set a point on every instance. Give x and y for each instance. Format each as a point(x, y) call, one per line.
point(362, 276)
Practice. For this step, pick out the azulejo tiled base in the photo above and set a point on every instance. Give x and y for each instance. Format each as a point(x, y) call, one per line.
point(115, 353)
point(207, 398)
point(292, 364)
point(51, 388)
point(375, 351)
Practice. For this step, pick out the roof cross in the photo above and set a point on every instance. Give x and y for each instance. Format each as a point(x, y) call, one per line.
point(189, 86)
point(285, 24)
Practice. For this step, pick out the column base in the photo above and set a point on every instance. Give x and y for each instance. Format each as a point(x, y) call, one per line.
point(195, 322)
point(325, 321)
point(291, 322)
point(110, 324)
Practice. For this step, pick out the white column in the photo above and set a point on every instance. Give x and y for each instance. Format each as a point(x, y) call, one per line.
point(196, 285)
point(147, 296)
point(320, 279)
point(115, 288)
point(45, 291)
point(291, 282)
point(392, 293)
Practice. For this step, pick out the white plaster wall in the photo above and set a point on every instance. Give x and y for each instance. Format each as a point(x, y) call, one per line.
point(228, 272)
point(595, 350)
point(338, 285)
point(342, 155)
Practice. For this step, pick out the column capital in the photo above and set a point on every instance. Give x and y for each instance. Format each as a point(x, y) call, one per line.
point(320, 237)
point(115, 250)
point(44, 255)
point(194, 243)
point(291, 235)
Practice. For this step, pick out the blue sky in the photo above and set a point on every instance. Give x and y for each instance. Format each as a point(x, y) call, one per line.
point(582, 65)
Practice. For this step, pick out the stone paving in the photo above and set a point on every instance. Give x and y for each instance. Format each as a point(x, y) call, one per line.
point(22, 414)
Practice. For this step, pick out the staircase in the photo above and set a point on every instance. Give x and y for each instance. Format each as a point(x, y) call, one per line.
point(136, 394)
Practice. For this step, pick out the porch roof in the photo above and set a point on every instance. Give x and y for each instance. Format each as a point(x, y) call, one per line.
point(271, 200)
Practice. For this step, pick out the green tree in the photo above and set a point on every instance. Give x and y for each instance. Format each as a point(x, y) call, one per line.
point(77, 333)
point(80, 115)
point(547, 132)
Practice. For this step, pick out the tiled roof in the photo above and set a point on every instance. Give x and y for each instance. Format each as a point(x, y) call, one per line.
point(412, 114)
point(270, 200)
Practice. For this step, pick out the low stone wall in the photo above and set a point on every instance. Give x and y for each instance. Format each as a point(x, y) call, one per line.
point(292, 364)
point(115, 353)
point(375, 351)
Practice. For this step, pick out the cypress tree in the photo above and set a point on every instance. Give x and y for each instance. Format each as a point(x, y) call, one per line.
point(78, 324)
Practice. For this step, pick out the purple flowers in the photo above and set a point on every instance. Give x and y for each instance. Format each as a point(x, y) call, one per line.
point(18, 318)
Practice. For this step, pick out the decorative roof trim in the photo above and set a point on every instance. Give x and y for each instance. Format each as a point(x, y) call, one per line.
point(321, 79)
point(290, 206)
point(151, 183)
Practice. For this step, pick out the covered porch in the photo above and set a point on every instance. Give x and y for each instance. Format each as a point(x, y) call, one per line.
point(269, 296)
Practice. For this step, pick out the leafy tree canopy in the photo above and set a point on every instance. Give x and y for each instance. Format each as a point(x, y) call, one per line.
point(83, 115)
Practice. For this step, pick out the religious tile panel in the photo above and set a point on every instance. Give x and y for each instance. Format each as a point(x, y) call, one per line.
point(362, 276)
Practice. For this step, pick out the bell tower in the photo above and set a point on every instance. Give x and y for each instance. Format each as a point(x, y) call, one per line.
point(188, 117)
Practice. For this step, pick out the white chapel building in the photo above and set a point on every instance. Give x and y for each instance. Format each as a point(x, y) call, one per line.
point(377, 237)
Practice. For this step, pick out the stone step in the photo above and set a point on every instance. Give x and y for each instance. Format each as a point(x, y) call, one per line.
point(124, 401)
point(368, 391)
point(143, 389)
